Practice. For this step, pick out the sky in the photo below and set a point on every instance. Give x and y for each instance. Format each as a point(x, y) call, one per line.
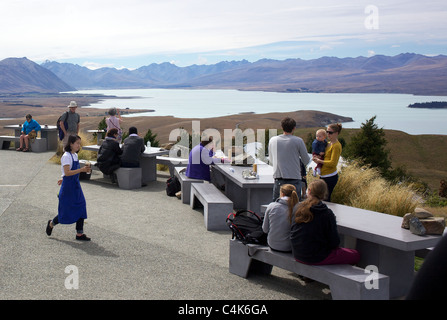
point(134, 33)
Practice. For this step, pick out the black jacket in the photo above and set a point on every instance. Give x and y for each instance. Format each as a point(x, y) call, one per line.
point(108, 156)
point(133, 147)
point(313, 241)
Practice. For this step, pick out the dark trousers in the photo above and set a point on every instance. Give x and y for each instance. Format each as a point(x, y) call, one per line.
point(130, 165)
point(279, 182)
point(331, 183)
point(79, 224)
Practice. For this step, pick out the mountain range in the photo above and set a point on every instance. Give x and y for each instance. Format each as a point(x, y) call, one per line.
point(18, 75)
point(404, 73)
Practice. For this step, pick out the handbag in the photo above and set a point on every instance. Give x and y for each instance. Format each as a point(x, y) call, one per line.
point(32, 135)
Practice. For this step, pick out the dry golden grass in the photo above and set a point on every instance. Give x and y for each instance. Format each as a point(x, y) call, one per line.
point(82, 154)
point(363, 187)
point(437, 211)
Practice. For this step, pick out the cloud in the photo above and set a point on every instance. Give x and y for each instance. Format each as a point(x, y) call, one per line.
point(62, 30)
point(96, 65)
point(92, 65)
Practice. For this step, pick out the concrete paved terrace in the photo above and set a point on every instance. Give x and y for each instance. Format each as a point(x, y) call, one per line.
point(145, 245)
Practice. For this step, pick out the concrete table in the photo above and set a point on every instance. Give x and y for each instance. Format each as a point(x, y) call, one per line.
point(98, 134)
point(148, 163)
point(382, 243)
point(246, 193)
point(48, 132)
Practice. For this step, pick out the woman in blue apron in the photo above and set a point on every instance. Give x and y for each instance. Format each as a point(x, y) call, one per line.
point(72, 207)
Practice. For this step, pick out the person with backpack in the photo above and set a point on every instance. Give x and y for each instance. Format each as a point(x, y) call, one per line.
point(314, 235)
point(278, 219)
point(69, 122)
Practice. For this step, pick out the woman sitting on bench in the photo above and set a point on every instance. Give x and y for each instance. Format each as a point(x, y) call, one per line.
point(109, 154)
point(314, 234)
point(278, 219)
point(200, 159)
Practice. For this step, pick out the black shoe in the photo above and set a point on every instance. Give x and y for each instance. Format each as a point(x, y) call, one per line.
point(49, 228)
point(83, 238)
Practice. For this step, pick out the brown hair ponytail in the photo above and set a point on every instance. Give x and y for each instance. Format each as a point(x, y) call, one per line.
point(289, 190)
point(318, 192)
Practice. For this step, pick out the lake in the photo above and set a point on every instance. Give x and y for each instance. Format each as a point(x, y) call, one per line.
point(391, 109)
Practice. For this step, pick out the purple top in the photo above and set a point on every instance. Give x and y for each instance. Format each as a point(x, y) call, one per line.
point(199, 162)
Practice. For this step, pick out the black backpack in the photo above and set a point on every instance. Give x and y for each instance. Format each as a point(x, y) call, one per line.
point(172, 186)
point(247, 227)
point(61, 133)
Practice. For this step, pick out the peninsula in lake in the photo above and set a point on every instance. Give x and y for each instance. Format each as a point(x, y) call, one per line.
point(429, 105)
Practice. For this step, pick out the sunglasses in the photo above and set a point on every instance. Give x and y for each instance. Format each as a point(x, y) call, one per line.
point(329, 132)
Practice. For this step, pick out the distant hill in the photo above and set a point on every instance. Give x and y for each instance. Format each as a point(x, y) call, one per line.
point(20, 75)
point(404, 73)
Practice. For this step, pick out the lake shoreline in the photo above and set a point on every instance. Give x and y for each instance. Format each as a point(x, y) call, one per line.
point(390, 109)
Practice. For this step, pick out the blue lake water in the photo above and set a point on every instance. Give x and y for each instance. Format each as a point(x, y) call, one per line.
point(391, 110)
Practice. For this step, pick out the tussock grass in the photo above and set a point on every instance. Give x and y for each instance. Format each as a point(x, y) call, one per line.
point(363, 187)
point(82, 154)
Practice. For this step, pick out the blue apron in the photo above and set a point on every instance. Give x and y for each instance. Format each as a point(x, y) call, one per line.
point(72, 204)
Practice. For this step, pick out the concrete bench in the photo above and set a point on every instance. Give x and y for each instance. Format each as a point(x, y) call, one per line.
point(346, 282)
point(129, 178)
point(5, 141)
point(36, 145)
point(216, 206)
point(185, 183)
point(172, 163)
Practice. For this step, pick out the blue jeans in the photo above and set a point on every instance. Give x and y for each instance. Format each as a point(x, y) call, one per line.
point(280, 182)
